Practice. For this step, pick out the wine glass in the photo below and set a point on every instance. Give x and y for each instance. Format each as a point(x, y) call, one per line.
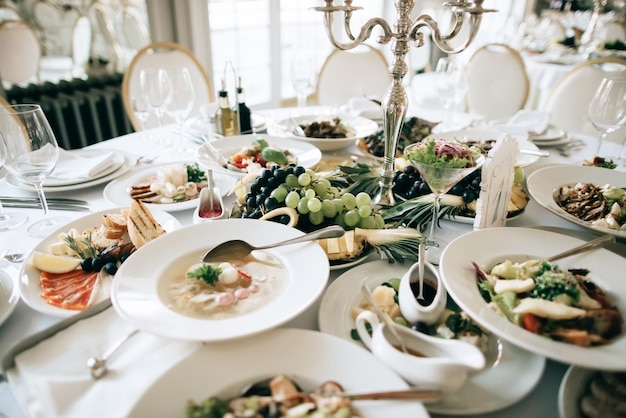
point(32, 154)
point(445, 85)
point(141, 110)
point(154, 90)
point(181, 97)
point(8, 220)
point(440, 179)
point(607, 108)
point(302, 73)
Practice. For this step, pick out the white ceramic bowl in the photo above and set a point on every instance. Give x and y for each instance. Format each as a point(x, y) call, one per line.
point(411, 309)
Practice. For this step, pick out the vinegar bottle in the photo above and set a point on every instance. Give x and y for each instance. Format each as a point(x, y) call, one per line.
point(245, 121)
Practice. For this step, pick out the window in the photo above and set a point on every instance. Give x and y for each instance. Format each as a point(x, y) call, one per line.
point(259, 38)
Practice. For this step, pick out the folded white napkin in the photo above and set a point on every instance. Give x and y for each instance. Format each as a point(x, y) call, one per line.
point(456, 121)
point(364, 107)
point(71, 165)
point(52, 379)
point(528, 121)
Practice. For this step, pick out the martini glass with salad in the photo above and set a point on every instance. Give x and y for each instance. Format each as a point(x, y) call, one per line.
point(441, 164)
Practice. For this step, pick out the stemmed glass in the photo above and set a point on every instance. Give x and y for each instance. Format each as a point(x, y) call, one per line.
point(32, 154)
point(445, 84)
point(181, 97)
point(8, 220)
point(607, 109)
point(302, 73)
point(440, 179)
point(154, 90)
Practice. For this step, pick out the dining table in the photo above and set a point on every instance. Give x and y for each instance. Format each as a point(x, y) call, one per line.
point(165, 145)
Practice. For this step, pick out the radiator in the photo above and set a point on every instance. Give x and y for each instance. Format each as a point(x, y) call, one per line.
point(81, 112)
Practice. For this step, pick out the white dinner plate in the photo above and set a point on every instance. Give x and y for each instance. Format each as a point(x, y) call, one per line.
point(481, 394)
point(543, 182)
point(122, 169)
point(306, 155)
point(573, 386)
point(116, 162)
point(357, 127)
point(552, 133)
point(465, 135)
point(489, 246)
point(9, 290)
point(117, 191)
point(137, 290)
point(308, 357)
point(29, 275)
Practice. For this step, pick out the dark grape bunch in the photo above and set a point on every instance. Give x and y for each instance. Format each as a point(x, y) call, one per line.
point(409, 185)
point(316, 201)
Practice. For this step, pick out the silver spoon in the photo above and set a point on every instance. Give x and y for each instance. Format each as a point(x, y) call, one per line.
point(98, 365)
point(297, 129)
point(420, 269)
point(14, 257)
point(236, 248)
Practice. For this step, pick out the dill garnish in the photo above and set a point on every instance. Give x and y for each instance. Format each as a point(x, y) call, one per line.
point(86, 250)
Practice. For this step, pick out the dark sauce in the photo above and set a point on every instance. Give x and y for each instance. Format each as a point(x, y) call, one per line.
point(430, 290)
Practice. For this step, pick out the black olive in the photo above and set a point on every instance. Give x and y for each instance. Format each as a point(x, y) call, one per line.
point(110, 268)
point(469, 195)
point(298, 170)
point(124, 257)
point(97, 263)
point(86, 264)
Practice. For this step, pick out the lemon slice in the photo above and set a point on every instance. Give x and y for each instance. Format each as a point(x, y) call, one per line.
point(51, 263)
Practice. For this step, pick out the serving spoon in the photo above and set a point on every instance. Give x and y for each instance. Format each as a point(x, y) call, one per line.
point(238, 248)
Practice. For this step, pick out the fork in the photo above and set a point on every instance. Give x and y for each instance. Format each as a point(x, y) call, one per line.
point(145, 159)
point(14, 257)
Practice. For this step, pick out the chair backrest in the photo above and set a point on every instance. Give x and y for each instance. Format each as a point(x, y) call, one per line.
point(8, 12)
point(81, 45)
point(568, 99)
point(360, 72)
point(20, 52)
point(135, 33)
point(105, 42)
point(497, 82)
point(165, 55)
point(615, 30)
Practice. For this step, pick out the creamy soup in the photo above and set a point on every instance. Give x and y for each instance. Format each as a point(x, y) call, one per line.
point(224, 289)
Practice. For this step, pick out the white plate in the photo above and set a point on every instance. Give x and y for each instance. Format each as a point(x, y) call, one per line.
point(136, 288)
point(309, 357)
point(29, 275)
point(551, 134)
point(9, 290)
point(306, 155)
point(470, 220)
point(127, 165)
point(489, 246)
point(482, 392)
point(117, 191)
point(574, 384)
point(543, 182)
point(358, 127)
point(465, 135)
point(116, 162)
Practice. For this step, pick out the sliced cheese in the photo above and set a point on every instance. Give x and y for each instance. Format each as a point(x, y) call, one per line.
point(517, 286)
point(547, 309)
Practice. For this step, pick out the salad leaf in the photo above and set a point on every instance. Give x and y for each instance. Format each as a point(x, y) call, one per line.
point(261, 143)
point(194, 173)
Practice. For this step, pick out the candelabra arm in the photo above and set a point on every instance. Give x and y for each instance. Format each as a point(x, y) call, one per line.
point(442, 41)
point(365, 33)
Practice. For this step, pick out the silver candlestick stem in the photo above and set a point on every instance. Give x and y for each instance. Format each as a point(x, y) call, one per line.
point(405, 30)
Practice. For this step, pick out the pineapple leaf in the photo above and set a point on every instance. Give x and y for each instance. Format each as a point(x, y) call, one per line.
point(417, 212)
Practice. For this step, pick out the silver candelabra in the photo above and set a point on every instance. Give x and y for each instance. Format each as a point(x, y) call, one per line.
point(405, 30)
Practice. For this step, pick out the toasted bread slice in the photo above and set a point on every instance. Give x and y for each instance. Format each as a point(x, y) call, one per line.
point(114, 220)
point(142, 227)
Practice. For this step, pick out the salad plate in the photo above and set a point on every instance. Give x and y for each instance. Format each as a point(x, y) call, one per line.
point(306, 155)
point(543, 182)
point(9, 290)
point(460, 279)
point(308, 357)
point(29, 275)
point(356, 127)
point(124, 167)
point(481, 393)
point(480, 135)
point(140, 295)
point(117, 191)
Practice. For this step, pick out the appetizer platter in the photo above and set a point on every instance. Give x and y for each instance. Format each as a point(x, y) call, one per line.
point(481, 393)
point(560, 190)
point(234, 154)
point(88, 253)
point(326, 132)
point(168, 187)
point(355, 369)
point(523, 244)
point(167, 302)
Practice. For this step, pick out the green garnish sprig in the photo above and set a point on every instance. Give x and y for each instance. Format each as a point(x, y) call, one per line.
point(194, 173)
point(207, 273)
point(87, 250)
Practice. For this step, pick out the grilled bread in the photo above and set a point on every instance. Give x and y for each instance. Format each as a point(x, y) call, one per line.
point(142, 227)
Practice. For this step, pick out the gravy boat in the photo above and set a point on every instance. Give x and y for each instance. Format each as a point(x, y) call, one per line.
point(431, 362)
point(435, 303)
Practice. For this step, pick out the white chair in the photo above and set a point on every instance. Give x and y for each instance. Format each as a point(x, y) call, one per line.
point(568, 99)
point(20, 53)
point(165, 55)
point(74, 63)
point(105, 41)
point(135, 33)
point(8, 12)
point(497, 83)
point(360, 72)
point(614, 30)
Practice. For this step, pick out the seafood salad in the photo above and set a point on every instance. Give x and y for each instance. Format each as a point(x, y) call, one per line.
point(277, 397)
point(603, 206)
point(225, 289)
point(544, 299)
point(260, 154)
point(170, 184)
point(441, 153)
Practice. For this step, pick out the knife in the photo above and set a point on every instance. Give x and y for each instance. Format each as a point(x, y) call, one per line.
point(36, 199)
point(51, 205)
